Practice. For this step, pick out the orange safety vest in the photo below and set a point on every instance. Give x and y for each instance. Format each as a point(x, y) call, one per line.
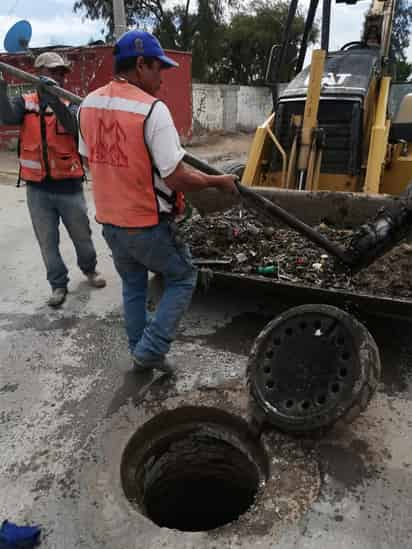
point(112, 121)
point(50, 151)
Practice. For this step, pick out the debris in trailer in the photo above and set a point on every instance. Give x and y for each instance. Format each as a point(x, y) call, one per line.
point(237, 241)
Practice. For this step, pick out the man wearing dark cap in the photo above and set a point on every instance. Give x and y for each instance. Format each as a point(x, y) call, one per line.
point(135, 159)
point(53, 171)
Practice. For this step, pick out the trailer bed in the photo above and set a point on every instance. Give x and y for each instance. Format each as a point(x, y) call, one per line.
point(293, 292)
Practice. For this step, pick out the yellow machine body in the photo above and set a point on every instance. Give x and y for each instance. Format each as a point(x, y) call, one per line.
point(296, 150)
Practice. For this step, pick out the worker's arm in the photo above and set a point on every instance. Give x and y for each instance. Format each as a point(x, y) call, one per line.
point(167, 155)
point(186, 179)
point(67, 116)
point(85, 162)
point(11, 112)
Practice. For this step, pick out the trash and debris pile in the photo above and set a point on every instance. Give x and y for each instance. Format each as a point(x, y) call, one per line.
point(238, 241)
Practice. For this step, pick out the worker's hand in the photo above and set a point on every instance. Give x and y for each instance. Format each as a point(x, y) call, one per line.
point(227, 183)
point(43, 89)
point(46, 81)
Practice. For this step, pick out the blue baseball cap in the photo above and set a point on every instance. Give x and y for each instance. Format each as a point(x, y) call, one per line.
point(135, 43)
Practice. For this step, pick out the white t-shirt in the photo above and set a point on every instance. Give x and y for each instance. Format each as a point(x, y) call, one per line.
point(164, 145)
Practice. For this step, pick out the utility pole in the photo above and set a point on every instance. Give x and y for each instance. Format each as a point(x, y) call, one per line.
point(119, 16)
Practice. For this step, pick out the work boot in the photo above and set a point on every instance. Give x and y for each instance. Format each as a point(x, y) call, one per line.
point(57, 298)
point(96, 280)
point(161, 363)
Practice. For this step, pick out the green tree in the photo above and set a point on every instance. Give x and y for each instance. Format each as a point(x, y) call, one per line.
point(225, 50)
point(189, 26)
point(401, 39)
point(137, 11)
point(250, 37)
point(402, 71)
point(200, 32)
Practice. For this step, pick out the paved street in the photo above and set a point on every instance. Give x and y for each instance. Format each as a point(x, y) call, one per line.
point(69, 404)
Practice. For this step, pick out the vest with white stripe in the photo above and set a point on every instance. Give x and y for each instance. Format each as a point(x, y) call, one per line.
point(46, 148)
point(126, 190)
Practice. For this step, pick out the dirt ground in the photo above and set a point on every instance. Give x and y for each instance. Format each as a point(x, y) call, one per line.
point(222, 148)
point(239, 242)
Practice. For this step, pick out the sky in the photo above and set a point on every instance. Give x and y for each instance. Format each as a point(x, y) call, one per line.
point(54, 22)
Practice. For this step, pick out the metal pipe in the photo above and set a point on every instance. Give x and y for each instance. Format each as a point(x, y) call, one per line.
point(325, 25)
point(28, 77)
point(306, 32)
point(282, 154)
point(389, 12)
point(284, 47)
point(261, 205)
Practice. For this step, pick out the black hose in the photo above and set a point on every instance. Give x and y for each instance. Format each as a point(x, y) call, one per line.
point(376, 238)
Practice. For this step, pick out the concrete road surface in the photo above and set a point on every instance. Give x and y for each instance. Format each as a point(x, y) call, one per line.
point(69, 404)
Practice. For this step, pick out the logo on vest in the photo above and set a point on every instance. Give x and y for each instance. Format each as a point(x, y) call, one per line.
point(110, 145)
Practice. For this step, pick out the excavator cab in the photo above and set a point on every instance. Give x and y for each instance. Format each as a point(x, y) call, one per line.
point(401, 127)
point(330, 129)
point(335, 144)
point(348, 77)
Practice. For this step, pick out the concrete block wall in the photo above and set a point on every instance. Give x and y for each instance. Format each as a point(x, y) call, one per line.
point(254, 106)
point(207, 108)
point(229, 108)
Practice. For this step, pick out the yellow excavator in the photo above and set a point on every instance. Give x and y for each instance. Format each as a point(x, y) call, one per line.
point(338, 144)
point(335, 126)
point(337, 148)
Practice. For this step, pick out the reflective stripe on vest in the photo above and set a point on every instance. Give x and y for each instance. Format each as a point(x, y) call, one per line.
point(60, 159)
point(112, 123)
point(30, 164)
point(116, 104)
point(31, 106)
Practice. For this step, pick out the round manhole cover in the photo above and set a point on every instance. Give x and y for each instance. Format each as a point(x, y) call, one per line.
point(312, 366)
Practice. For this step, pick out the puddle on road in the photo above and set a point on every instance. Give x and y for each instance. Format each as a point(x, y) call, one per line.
point(9, 388)
point(38, 322)
point(397, 380)
point(395, 346)
point(237, 336)
point(392, 337)
point(347, 466)
point(347, 469)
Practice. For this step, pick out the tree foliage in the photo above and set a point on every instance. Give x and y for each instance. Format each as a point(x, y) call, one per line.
point(250, 36)
point(136, 11)
point(401, 39)
point(225, 49)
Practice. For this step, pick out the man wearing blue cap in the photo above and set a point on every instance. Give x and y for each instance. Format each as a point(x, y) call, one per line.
point(135, 159)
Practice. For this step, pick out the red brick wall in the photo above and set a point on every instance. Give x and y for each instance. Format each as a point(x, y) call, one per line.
point(92, 67)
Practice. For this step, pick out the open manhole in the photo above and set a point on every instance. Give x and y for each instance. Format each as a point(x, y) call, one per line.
point(193, 468)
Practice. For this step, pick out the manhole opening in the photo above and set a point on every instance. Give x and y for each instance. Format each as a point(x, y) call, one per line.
point(193, 469)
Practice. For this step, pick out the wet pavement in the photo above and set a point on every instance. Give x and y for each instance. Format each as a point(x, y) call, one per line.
point(69, 404)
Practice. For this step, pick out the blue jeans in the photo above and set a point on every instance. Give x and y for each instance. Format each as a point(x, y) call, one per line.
point(156, 249)
point(46, 209)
